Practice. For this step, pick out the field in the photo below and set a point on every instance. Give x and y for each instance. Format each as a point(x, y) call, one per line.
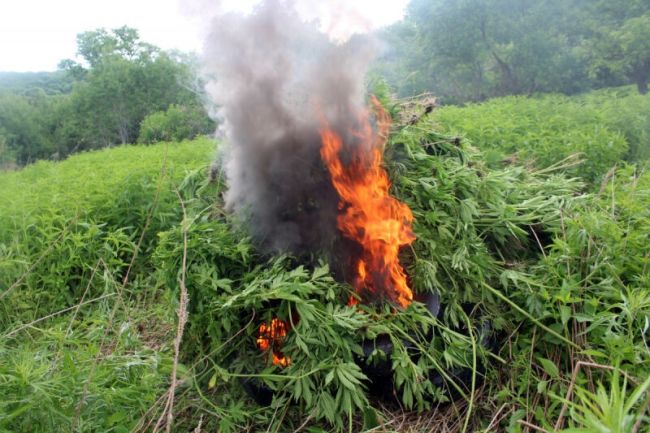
point(130, 298)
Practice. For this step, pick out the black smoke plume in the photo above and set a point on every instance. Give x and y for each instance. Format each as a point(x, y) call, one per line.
point(276, 78)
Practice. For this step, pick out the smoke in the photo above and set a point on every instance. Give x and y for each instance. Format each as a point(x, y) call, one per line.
point(275, 78)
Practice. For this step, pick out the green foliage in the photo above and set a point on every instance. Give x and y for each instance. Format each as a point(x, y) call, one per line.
point(609, 409)
point(117, 94)
point(118, 83)
point(30, 83)
point(619, 43)
point(623, 110)
point(58, 220)
point(559, 275)
point(67, 378)
point(23, 126)
point(474, 49)
point(79, 349)
point(470, 50)
point(547, 130)
point(176, 124)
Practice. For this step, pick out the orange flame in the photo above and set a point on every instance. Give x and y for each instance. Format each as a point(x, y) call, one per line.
point(270, 338)
point(368, 214)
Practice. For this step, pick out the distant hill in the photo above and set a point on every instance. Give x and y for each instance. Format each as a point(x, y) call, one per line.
point(26, 83)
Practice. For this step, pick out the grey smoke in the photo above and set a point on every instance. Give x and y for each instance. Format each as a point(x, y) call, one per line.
point(275, 77)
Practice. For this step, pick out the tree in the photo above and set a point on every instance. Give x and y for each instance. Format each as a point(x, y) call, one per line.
point(620, 42)
point(98, 100)
point(23, 127)
point(474, 49)
point(125, 80)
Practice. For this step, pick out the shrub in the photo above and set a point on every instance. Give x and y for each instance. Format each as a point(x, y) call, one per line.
point(176, 124)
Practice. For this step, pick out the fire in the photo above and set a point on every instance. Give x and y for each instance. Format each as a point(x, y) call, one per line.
point(270, 338)
point(368, 213)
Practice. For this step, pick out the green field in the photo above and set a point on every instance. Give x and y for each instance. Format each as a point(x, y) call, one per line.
point(554, 253)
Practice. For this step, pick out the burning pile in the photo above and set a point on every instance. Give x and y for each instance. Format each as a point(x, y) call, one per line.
point(368, 215)
point(305, 177)
point(304, 157)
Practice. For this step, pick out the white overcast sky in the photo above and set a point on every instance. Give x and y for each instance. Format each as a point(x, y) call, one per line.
point(36, 34)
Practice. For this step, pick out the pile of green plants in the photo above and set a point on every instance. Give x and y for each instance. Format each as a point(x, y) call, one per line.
point(95, 262)
point(487, 238)
point(603, 127)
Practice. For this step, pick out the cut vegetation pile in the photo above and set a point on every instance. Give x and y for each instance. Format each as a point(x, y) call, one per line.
point(95, 259)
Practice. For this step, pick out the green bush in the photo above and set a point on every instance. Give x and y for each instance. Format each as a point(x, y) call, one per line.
point(67, 378)
point(176, 124)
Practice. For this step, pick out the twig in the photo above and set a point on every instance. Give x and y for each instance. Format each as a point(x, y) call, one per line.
point(182, 320)
point(541, 248)
point(138, 426)
point(533, 426)
point(473, 386)
point(496, 419)
point(569, 393)
point(198, 427)
point(65, 310)
point(302, 426)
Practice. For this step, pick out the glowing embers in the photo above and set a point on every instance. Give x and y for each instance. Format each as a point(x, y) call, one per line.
point(270, 338)
point(368, 214)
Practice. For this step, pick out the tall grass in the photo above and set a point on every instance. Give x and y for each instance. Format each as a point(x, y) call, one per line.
point(83, 347)
point(604, 127)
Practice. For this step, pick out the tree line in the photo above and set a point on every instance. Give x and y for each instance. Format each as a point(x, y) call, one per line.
point(122, 90)
point(471, 50)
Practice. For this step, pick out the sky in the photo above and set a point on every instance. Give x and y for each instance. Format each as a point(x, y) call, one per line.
point(36, 34)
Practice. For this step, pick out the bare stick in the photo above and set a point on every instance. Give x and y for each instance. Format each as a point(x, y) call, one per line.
point(303, 425)
point(569, 393)
point(182, 320)
point(496, 419)
point(65, 310)
point(533, 426)
point(539, 244)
